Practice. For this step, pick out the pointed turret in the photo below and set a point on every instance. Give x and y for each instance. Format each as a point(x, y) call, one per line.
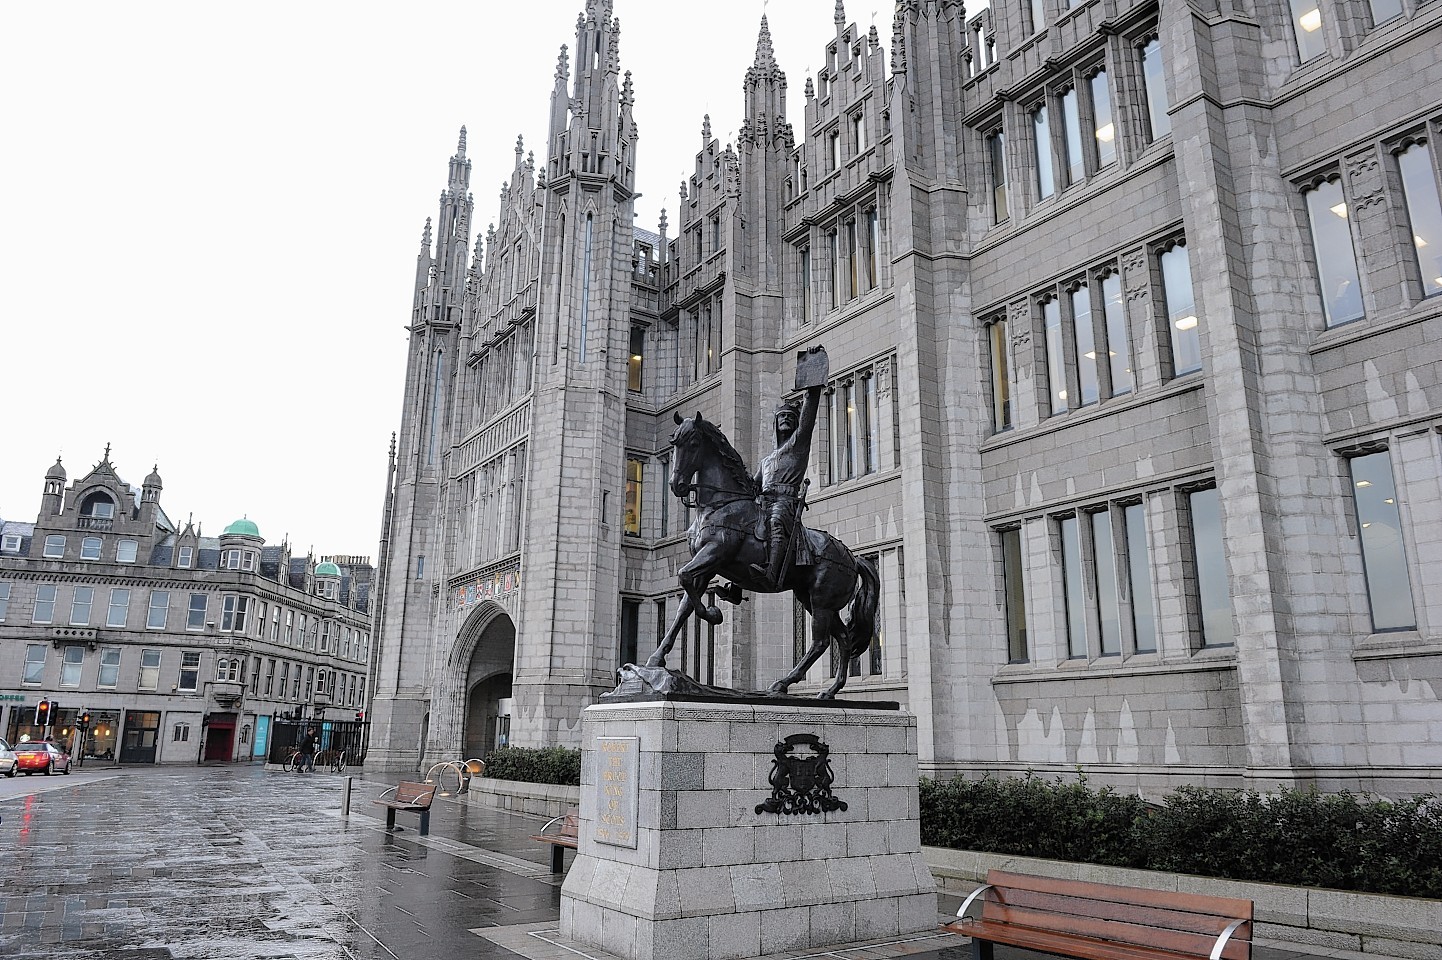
point(54, 497)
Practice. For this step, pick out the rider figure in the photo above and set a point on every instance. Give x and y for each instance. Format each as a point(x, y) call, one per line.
point(782, 478)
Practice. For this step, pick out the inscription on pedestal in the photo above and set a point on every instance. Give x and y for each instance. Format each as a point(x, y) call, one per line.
point(617, 762)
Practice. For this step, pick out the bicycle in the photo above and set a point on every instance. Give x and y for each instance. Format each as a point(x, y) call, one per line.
point(336, 761)
point(293, 763)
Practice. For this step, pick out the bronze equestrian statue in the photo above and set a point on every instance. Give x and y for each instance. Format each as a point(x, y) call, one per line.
point(749, 531)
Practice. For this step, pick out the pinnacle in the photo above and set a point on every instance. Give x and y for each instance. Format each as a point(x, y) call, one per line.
point(765, 54)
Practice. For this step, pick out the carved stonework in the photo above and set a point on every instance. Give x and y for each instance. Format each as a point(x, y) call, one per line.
point(801, 778)
point(1364, 176)
point(1135, 275)
point(883, 378)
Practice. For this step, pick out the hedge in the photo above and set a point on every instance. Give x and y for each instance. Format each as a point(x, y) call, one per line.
point(535, 765)
point(1298, 837)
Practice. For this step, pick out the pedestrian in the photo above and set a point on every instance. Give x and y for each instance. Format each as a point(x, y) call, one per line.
point(307, 750)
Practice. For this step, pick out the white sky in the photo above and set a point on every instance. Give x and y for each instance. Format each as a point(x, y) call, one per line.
point(209, 217)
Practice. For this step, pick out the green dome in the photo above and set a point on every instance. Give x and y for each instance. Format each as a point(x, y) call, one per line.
point(327, 570)
point(241, 528)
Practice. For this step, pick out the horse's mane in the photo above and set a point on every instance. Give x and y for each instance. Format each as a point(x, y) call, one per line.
point(730, 459)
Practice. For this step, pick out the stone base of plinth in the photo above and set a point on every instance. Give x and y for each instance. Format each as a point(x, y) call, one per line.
point(690, 847)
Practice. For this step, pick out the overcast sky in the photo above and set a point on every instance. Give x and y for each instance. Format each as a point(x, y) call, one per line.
point(209, 217)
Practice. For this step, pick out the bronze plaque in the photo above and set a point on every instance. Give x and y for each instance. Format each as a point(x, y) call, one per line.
point(618, 789)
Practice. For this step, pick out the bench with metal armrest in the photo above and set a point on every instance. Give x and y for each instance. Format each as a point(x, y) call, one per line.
point(565, 835)
point(1102, 921)
point(409, 797)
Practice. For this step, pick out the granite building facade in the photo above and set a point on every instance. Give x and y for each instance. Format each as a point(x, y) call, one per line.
point(181, 647)
point(1133, 316)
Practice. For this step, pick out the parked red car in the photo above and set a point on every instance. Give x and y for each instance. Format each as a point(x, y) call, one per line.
point(41, 756)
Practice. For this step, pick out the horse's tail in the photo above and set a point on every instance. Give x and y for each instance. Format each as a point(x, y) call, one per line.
point(861, 631)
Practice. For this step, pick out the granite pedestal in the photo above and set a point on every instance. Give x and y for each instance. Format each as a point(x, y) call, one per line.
point(682, 858)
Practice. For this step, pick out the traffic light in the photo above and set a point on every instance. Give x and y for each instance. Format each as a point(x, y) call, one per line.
point(85, 719)
point(43, 713)
point(360, 715)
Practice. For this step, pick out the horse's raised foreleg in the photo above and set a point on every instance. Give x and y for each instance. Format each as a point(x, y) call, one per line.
point(696, 576)
point(821, 623)
point(658, 659)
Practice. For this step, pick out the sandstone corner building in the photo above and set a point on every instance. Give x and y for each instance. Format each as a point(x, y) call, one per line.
point(179, 646)
point(1136, 342)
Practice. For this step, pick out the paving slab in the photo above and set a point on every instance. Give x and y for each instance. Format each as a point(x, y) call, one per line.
point(243, 863)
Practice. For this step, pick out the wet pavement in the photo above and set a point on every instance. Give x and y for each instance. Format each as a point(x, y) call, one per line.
point(239, 862)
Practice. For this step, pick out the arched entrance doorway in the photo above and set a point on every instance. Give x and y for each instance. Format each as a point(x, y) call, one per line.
point(486, 722)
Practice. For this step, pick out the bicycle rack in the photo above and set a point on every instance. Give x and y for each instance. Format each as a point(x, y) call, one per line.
point(463, 769)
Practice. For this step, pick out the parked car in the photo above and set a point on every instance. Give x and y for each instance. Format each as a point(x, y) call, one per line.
point(41, 756)
point(9, 763)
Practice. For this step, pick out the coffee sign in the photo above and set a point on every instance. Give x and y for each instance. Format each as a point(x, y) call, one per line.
point(618, 789)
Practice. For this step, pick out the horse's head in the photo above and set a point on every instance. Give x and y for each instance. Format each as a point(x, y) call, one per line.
point(687, 443)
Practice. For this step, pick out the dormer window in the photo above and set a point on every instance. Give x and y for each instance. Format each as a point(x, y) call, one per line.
point(10, 543)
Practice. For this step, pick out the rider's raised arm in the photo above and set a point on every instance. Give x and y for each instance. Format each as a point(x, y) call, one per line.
point(807, 421)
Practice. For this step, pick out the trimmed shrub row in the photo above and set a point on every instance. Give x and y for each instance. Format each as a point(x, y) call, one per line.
point(535, 765)
point(1297, 837)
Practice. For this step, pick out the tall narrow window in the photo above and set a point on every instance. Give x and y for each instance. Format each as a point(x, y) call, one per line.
point(1181, 310)
point(119, 609)
point(1038, 15)
point(1119, 351)
point(871, 434)
point(34, 664)
point(4, 599)
point(586, 285)
point(80, 602)
point(44, 603)
point(1071, 128)
point(1139, 579)
point(1073, 592)
point(805, 285)
point(1384, 558)
point(1041, 134)
point(1084, 339)
point(630, 631)
point(1106, 131)
point(1013, 580)
point(109, 674)
point(1307, 25)
point(858, 132)
point(665, 501)
point(149, 669)
point(1154, 79)
point(852, 287)
point(834, 245)
point(996, 163)
point(1213, 594)
point(637, 358)
point(1104, 552)
point(159, 609)
point(847, 395)
point(1424, 213)
point(873, 245)
point(71, 665)
point(833, 149)
point(1055, 362)
point(189, 671)
point(631, 523)
point(195, 617)
point(998, 345)
point(1336, 258)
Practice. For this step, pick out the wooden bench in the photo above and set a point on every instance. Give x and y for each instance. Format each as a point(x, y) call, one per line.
point(1100, 921)
point(566, 835)
point(411, 797)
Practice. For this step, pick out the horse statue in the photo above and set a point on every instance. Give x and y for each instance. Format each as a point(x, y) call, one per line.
point(726, 541)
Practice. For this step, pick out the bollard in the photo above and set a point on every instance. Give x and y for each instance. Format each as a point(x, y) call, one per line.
point(345, 798)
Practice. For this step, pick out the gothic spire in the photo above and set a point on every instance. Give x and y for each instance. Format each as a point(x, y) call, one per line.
point(765, 55)
point(840, 16)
